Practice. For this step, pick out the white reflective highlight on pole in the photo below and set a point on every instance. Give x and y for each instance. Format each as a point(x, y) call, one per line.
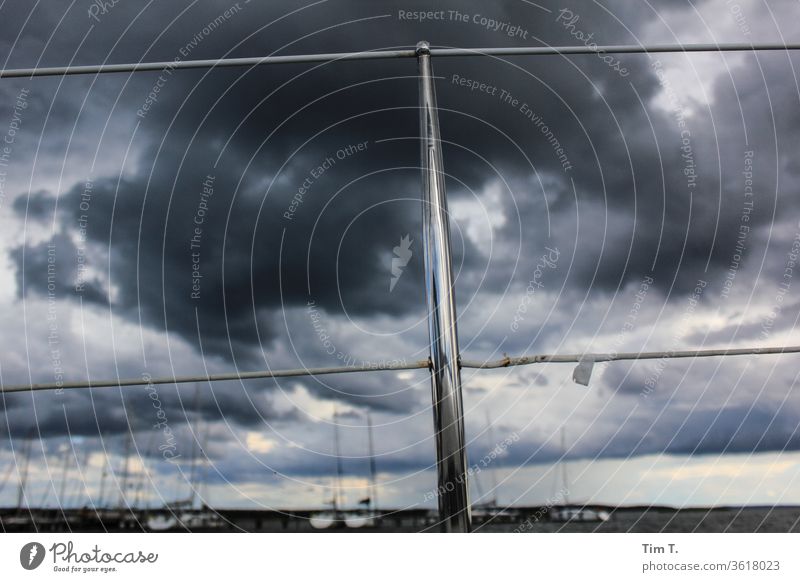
point(448, 412)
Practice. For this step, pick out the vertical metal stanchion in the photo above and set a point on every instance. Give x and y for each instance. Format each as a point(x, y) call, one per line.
point(451, 457)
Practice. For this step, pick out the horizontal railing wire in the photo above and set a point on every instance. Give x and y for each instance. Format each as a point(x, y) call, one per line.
point(398, 365)
point(614, 357)
point(390, 54)
point(144, 381)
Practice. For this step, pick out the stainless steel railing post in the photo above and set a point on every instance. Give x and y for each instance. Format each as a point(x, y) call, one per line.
point(448, 412)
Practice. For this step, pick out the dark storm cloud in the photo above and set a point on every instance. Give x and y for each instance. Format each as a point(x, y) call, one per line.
point(255, 141)
point(39, 270)
point(167, 253)
point(146, 219)
point(362, 390)
point(730, 429)
point(638, 212)
point(145, 409)
point(39, 205)
point(734, 429)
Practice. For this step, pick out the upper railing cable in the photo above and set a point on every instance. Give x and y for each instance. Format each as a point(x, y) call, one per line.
point(390, 54)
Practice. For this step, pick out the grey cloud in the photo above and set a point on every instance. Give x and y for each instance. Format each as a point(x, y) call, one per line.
point(630, 214)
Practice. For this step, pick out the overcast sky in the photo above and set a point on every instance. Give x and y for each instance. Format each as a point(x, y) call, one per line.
point(199, 221)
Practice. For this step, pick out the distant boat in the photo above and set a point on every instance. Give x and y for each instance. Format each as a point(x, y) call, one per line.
point(202, 520)
point(332, 518)
point(489, 507)
point(161, 522)
point(324, 520)
point(577, 514)
point(193, 520)
point(368, 517)
point(359, 520)
point(336, 517)
point(573, 512)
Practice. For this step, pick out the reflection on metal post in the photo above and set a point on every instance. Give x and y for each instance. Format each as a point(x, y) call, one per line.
point(451, 458)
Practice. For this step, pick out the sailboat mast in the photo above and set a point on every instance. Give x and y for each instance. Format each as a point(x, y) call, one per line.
point(337, 452)
point(564, 475)
point(81, 481)
point(195, 447)
point(23, 478)
point(373, 472)
point(140, 485)
point(202, 488)
point(64, 476)
point(492, 469)
point(123, 499)
point(103, 474)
